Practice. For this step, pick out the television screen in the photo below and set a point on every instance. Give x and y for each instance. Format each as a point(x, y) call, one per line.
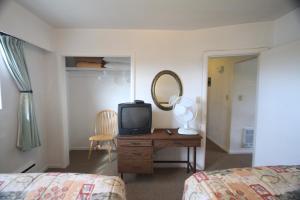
point(135, 117)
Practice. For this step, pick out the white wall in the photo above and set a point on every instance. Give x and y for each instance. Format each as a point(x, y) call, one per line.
point(88, 93)
point(19, 22)
point(57, 137)
point(218, 101)
point(153, 51)
point(243, 103)
point(11, 159)
point(287, 28)
point(278, 117)
point(277, 133)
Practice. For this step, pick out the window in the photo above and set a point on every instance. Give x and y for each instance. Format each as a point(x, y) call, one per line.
point(1, 65)
point(0, 97)
point(1, 70)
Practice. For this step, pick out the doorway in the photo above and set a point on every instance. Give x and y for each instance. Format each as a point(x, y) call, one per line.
point(231, 105)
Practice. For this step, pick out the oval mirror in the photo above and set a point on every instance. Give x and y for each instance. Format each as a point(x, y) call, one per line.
point(165, 85)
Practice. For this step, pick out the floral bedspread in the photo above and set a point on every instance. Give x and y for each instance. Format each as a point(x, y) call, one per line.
point(61, 186)
point(259, 183)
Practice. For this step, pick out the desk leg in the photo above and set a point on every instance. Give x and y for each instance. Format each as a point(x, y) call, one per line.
point(195, 155)
point(188, 160)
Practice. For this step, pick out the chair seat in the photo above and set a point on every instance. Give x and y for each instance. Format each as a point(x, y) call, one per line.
point(102, 137)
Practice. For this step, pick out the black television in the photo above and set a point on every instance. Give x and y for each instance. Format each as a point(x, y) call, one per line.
point(134, 118)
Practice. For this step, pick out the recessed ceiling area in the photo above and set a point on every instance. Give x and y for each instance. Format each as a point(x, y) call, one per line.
point(156, 14)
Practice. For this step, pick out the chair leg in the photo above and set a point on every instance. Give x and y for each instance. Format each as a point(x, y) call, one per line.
point(114, 143)
point(91, 149)
point(109, 154)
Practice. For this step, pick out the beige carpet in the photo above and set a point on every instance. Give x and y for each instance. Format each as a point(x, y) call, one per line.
point(164, 184)
point(216, 158)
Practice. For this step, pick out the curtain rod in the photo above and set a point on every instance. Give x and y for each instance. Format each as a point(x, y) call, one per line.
point(32, 44)
point(2, 33)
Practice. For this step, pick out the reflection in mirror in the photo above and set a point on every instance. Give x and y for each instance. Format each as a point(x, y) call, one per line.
point(165, 85)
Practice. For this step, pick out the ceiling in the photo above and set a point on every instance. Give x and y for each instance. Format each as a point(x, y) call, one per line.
point(156, 14)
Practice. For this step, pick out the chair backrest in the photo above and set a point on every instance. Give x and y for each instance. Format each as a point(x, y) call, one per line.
point(106, 123)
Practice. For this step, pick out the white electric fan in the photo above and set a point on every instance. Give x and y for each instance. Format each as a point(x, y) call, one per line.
point(185, 111)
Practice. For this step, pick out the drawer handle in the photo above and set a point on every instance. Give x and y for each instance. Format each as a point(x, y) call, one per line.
point(136, 167)
point(135, 143)
point(137, 154)
point(178, 143)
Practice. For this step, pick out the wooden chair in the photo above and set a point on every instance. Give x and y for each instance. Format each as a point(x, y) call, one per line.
point(106, 130)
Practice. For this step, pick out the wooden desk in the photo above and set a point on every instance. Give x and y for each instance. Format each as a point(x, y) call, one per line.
point(135, 153)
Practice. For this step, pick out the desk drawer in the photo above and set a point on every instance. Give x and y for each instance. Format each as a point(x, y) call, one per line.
point(135, 153)
point(176, 143)
point(142, 143)
point(135, 166)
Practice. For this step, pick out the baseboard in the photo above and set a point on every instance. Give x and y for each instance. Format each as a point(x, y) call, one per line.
point(44, 168)
point(241, 151)
point(83, 148)
point(33, 169)
point(79, 148)
point(223, 148)
point(56, 165)
point(25, 166)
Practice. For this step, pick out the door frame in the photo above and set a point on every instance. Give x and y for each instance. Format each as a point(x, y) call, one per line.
point(224, 53)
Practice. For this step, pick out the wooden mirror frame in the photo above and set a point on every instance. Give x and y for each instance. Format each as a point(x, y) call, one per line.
point(161, 73)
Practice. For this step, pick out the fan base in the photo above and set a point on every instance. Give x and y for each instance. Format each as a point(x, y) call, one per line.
point(184, 131)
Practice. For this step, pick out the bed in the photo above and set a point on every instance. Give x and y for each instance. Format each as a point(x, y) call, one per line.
point(61, 186)
point(266, 183)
